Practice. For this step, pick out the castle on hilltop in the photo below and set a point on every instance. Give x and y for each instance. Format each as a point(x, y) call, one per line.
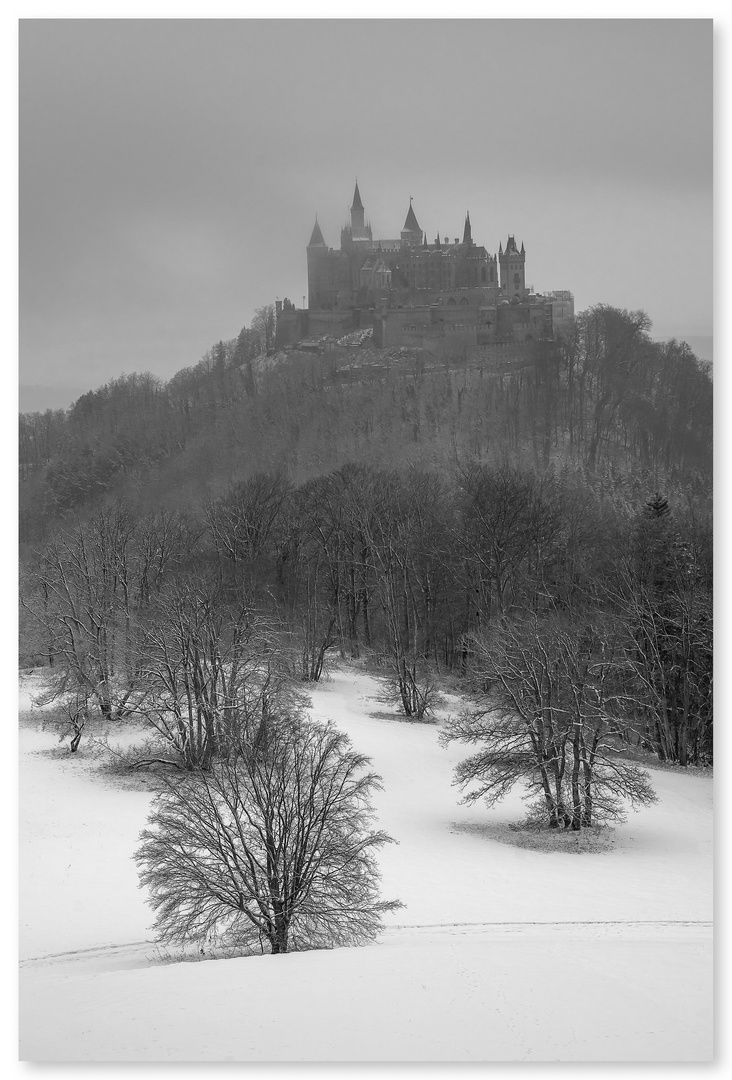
point(446, 295)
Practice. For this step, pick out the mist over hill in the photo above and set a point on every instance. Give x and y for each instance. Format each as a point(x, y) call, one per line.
point(607, 399)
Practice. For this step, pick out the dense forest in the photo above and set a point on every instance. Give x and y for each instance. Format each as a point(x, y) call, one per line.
point(537, 532)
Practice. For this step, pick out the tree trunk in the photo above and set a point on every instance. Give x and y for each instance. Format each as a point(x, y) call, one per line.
point(576, 800)
point(280, 930)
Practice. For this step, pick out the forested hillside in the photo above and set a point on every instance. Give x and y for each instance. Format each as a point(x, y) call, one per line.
point(608, 402)
point(539, 529)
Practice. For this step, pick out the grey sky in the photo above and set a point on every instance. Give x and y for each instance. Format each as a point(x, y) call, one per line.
point(170, 171)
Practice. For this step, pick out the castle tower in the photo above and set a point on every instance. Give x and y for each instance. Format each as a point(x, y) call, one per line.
point(317, 269)
point(513, 269)
point(358, 233)
point(411, 233)
point(357, 210)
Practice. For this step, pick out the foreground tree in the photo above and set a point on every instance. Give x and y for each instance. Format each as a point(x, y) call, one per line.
point(272, 846)
point(552, 715)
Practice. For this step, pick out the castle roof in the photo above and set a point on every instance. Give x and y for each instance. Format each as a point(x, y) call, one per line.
point(316, 240)
point(357, 204)
point(374, 262)
point(411, 223)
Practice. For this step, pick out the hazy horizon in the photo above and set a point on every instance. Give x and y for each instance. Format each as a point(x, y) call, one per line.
point(171, 170)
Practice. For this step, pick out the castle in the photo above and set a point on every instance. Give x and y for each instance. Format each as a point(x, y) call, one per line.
point(446, 295)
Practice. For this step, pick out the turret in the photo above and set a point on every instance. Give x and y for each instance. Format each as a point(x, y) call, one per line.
point(411, 233)
point(357, 233)
point(316, 239)
point(513, 269)
point(467, 235)
point(317, 268)
point(357, 211)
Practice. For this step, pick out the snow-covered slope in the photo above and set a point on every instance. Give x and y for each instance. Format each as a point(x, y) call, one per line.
point(501, 953)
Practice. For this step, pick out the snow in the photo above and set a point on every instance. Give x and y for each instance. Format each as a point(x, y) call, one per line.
point(501, 953)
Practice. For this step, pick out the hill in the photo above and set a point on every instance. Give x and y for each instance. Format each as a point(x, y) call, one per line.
point(607, 400)
point(389, 504)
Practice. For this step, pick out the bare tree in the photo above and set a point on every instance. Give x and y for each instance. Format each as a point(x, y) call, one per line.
point(552, 715)
point(663, 587)
point(613, 347)
point(309, 574)
point(508, 525)
point(240, 523)
point(89, 592)
point(399, 529)
point(70, 717)
point(212, 675)
point(274, 845)
point(79, 591)
point(263, 327)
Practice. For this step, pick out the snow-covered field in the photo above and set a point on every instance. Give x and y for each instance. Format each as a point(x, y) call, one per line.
point(501, 953)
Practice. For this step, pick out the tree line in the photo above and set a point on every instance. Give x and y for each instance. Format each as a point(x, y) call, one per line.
point(202, 621)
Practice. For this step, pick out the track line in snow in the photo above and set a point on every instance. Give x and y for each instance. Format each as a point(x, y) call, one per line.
point(636, 929)
point(132, 949)
point(556, 922)
point(136, 951)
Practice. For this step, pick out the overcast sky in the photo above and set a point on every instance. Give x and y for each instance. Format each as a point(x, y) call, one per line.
point(170, 171)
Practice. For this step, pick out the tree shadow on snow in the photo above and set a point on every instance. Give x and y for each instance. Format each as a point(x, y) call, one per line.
point(589, 841)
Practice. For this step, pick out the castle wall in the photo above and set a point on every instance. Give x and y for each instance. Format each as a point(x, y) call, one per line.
point(562, 314)
point(476, 297)
point(330, 279)
point(523, 322)
point(291, 327)
point(496, 354)
point(433, 328)
point(334, 323)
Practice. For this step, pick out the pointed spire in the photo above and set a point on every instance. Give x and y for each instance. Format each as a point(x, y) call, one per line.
point(424, 240)
point(467, 236)
point(357, 204)
point(411, 224)
point(316, 240)
point(500, 248)
point(522, 248)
